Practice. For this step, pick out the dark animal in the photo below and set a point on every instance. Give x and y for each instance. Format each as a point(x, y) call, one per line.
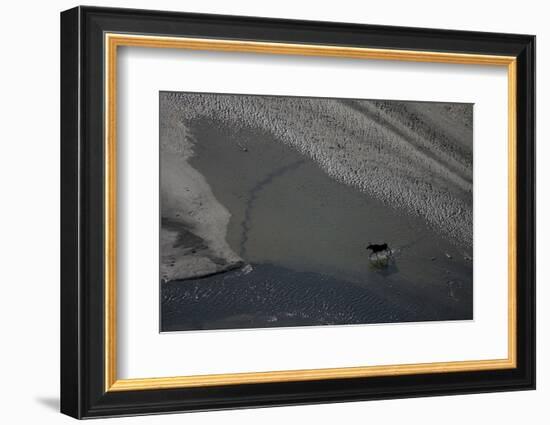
point(376, 248)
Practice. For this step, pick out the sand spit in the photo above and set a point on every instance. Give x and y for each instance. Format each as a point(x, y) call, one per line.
point(194, 223)
point(413, 156)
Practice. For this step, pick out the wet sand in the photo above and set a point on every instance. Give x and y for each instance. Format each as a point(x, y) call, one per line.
point(305, 233)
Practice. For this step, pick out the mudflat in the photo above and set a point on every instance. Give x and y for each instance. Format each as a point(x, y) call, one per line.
point(270, 237)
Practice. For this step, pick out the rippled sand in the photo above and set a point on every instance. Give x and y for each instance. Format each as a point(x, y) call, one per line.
point(272, 296)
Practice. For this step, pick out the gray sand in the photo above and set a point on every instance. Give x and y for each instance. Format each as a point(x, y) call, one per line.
point(307, 192)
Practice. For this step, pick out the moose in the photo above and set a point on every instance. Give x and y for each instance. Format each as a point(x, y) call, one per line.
point(377, 248)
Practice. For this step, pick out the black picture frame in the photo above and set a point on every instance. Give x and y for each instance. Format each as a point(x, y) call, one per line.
point(83, 392)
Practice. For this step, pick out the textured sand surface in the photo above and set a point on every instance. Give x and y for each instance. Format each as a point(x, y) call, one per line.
point(194, 223)
point(283, 194)
point(272, 296)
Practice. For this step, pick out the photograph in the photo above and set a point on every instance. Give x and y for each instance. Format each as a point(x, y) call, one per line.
point(261, 210)
point(286, 211)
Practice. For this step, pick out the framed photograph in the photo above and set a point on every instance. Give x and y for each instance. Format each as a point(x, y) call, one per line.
point(261, 212)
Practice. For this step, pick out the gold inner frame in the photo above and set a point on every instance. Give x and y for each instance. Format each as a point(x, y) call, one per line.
point(113, 41)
